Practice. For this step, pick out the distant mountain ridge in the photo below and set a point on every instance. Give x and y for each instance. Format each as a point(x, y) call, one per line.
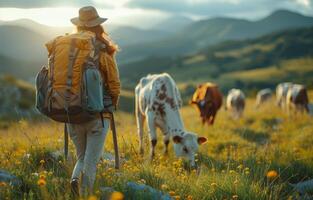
point(212, 31)
point(22, 41)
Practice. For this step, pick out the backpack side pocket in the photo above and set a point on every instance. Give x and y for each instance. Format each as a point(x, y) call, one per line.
point(93, 90)
point(42, 87)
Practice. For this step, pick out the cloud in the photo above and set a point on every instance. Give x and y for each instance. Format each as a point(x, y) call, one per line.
point(50, 3)
point(251, 9)
point(306, 3)
point(221, 7)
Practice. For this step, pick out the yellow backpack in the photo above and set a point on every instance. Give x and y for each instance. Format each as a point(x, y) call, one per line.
point(70, 90)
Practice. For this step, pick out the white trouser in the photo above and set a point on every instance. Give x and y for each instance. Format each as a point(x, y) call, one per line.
point(88, 139)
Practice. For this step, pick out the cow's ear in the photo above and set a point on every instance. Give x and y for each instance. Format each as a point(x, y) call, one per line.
point(202, 140)
point(177, 139)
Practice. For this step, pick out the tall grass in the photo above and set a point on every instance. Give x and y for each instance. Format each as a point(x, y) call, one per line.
point(233, 164)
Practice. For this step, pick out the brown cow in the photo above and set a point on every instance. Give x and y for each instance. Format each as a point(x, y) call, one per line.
point(208, 100)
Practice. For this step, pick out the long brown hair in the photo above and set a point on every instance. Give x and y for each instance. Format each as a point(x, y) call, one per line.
point(101, 35)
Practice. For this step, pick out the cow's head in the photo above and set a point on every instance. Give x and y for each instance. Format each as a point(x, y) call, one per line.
point(187, 145)
point(203, 106)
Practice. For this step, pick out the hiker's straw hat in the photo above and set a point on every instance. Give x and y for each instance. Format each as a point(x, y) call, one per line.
point(88, 17)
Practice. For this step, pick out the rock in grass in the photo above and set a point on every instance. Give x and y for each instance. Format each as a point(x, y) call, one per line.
point(9, 178)
point(146, 191)
point(304, 187)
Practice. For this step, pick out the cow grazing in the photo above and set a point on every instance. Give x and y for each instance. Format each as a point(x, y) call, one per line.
point(235, 102)
point(297, 99)
point(208, 100)
point(263, 96)
point(158, 102)
point(281, 94)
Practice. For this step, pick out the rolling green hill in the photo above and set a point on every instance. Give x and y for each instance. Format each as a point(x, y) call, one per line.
point(21, 69)
point(284, 55)
point(202, 33)
point(177, 21)
point(22, 43)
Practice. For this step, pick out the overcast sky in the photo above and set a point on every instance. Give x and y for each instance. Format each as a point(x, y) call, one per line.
point(144, 12)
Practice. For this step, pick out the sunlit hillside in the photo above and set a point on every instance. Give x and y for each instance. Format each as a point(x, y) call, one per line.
point(257, 157)
point(273, 58)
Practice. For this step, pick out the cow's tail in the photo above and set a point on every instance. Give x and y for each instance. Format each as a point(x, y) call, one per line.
point(171, 85)
point(306, 100)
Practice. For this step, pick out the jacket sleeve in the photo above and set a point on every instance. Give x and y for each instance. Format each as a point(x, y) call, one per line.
point(111, 76)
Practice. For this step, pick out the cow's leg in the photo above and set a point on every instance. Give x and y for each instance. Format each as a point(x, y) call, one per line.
point(166, 140)
point(140, 123)
point(203, 120)
point(213, 118)
point(152, 131)
point(140, 119)
point(209, 119)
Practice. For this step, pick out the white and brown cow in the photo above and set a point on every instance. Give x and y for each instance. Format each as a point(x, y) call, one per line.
point(263, 96)
point(235, 102)
point(158, 102)
point(281, 94)
point(297, 99)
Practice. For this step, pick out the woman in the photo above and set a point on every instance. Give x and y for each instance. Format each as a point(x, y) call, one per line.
point(89, 137)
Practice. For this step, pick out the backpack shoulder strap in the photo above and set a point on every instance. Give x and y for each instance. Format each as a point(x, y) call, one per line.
point(99, 47)
point(51, 61)
point(72, 58)
point(102, 47)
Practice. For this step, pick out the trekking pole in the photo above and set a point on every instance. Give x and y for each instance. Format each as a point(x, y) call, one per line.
point(65, 141)
point(113, 129)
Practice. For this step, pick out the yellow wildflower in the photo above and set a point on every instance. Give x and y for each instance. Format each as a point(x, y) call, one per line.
point(214, 185)
point(117, 196)
point(172, 193)
point(41, 182)
point(271, 174)
point(3, 184)
point(240, 166)
point(92, 197)
point(42, 162)
point(177, 197)
point(164, 187)
point(189, 197)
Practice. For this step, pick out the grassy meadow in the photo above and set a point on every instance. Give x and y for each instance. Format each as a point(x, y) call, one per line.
point(256, 157)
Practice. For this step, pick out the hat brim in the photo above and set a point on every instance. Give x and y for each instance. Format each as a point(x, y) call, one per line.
point(91, 23)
